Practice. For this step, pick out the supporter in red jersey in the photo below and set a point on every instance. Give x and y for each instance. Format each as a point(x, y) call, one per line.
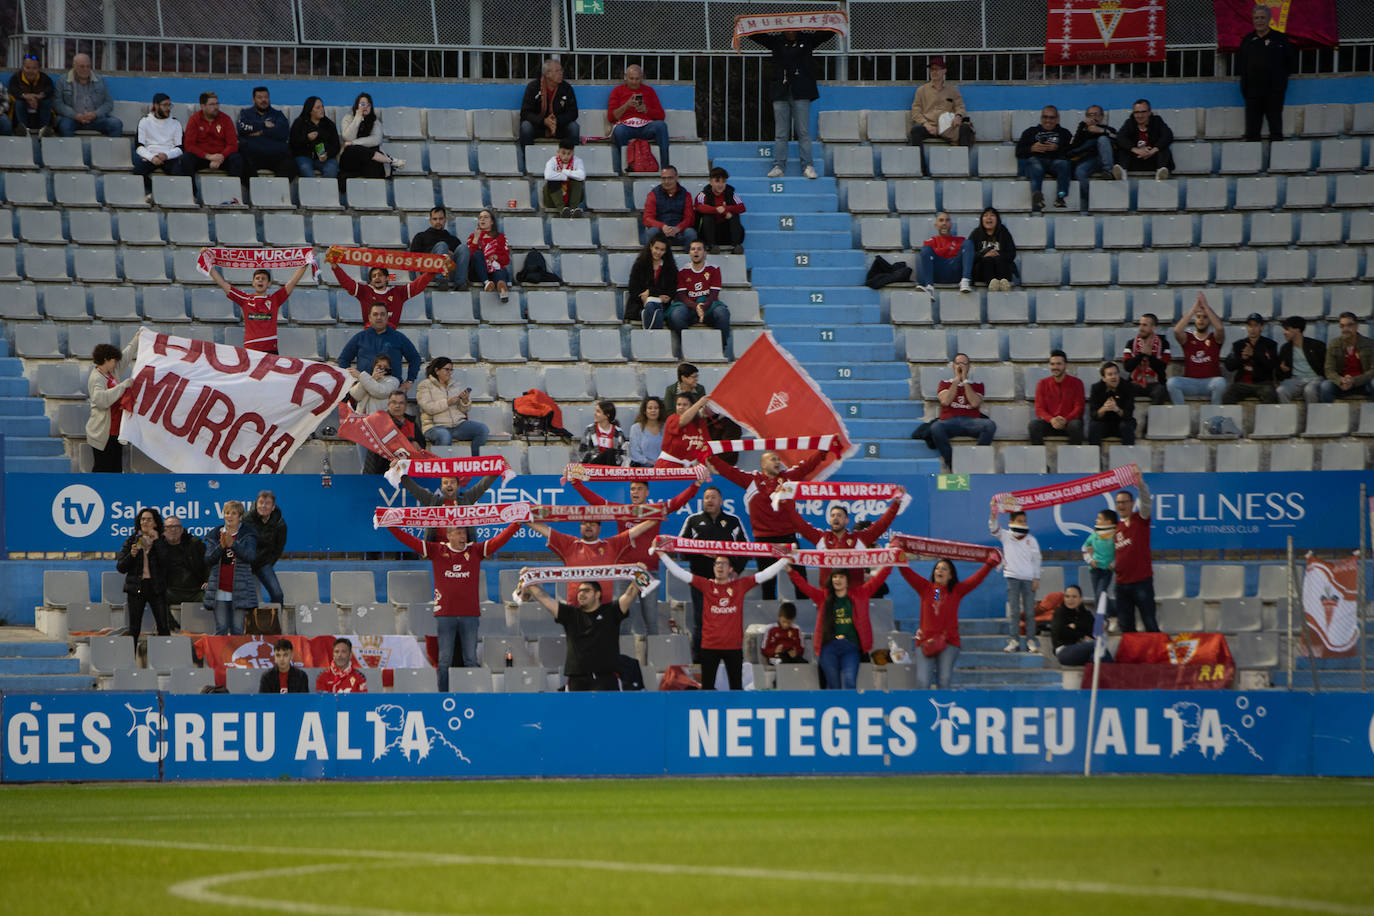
point(1135, 574)
point(260, 309)
point(937, 637)
point(638, 552)
point(342, 676)
point(840, 537)
point(783, 643)
point(457, 601)
point(722, 621)
point(211, 141)
point(685, 435)
point(769, 524)
point(698, 296)
point(591, 549)
point(843, 633)
point(377, 291)
point(1201, 354)
point(1146, 357)
point(490, 255)
point(284, 676)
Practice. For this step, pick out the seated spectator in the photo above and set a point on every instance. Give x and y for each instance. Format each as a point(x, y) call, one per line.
point(782, 644)
point(1042, 148)
point(82, 102)
point(938, 111)
point(1058, 403)
point(698, 292)
point(792, 88)
point(159, 142)
point(719, 206)
point(1147, 357)
point(994, 252)
point(1092, 150)
point(372, 390)
point(342, 676)
point(406, 425)
point(1071, 632)
point(1201, 355)
point(259, 310)
point(444, 408)
point(438, 240)
point(362, 133)
point(668, 209)
point(653, 283)
point(185, 566)
point(6, 125)
point(1111, 407)
point(315, 141)
point(565, 178)
point(943, 258)
point(603, 441)
point(265, 137)
point(1143, 142)
point(688, 382)
point(646, 435)
point(284, 676)
point(1349, 363)
point(490, 256)
point(549, 109)
point(31, 95)
point(960, 400)
point(634, 112)
point(1254, 361)
point(211, 141)
point(376, 339)
point(377, 291)
point(1302, 360)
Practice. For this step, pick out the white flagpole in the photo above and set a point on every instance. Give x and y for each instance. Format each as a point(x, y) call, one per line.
point(1099, 646)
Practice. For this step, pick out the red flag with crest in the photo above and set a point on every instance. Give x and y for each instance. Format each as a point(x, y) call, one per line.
point(1104, 31)
point(1307, 23)
point(1330, 619)
point(768, 392)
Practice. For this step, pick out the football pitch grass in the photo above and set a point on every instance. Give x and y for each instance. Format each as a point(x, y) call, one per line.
point(945, 845)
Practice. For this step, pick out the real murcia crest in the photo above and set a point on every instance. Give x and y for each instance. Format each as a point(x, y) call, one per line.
point(1108, 17)
point(777, 402)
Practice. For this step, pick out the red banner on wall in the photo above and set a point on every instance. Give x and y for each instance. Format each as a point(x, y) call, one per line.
point(1307, 23)
point(1181, 649)
point(1161, 677)
point(1330, 620)
point(1104, 31)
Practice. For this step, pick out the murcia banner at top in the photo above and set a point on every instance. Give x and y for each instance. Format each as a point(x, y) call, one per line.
point(1104, 31)
point(197, 407)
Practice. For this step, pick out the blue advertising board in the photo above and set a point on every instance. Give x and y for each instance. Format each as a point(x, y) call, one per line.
point(161, 736)
point(95, 512)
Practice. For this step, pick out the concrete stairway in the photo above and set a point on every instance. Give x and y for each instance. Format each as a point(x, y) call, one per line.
point(31, 664)
point(29, 443)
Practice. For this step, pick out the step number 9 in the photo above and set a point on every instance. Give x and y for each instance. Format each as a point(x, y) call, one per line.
point(787, 223)
point(852, 410)
point(802, 260)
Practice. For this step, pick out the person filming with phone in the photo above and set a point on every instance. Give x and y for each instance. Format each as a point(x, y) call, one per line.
point(444, 408)
point(635, 113)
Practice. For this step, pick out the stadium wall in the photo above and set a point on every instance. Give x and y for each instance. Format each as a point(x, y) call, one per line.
point(171, 737)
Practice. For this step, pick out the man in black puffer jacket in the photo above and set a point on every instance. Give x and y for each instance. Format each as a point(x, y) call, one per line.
point(267, 523)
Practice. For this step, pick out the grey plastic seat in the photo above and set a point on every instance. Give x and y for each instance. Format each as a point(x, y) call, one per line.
point(75, 189)
point(499, 345)
point(1192, 158)
point(962, 196)
point(1238, 267)
point(550, 344)
point(332, 229)
point(1336, 265)
point(1292, 456)
point(1077, 231)
point(61, 380)
point(617, 383)
point(1241, 158)
point(60, 304)
point(42, 226)
point(1157, 196)
point(1344, 456)
point(1090, 269)
point(1340, 156)
point(1024, 459)
point(1238, 615)
point(28, 188)
point(1121, 455)
point(367, 194)
point(37, 341)
point(866, 196)
point(1237, 457)
point(948, 161)
point(1041, 269)
point(1180, 615)
point(1290, 156)
point(880, 233)
point(144, 265)
point(900, 161)
point(1305, 192)
point(174, 192)
point(597, 306)
point(188, 679)
point(1184, 457)
point(571, 233)
point(110, 653)
point(140, 227)
point(1168, 421)
point(270, 193)
point(50, 262)
point(236, 229)
point(380, 230)
point(852, 160)
point(20, 302)
point(1269, 229)
point(318, 194)
point(547, 306)
point(413, 194)
point(911, 197)
point(114, 303)
point(449, 159)
point(1327, 421)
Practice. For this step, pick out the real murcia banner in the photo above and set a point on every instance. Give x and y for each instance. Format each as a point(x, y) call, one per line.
point(197, 407)
point(1104, 31)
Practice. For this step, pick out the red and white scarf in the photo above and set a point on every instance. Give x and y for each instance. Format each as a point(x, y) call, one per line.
point(610, 512)
point(477, 466)
point(834, 489)
point(1058, 493)
point(607, 472)
point(721, 548)
point(803, 443)
point(624, 571)
point(936, 549)
point(810, 21)
point(413, 261)
point(849, 559)
point(257, 259)
point(449, 516)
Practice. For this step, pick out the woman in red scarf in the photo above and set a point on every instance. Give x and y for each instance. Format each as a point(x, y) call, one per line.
point(937, 638)
point(490, 255)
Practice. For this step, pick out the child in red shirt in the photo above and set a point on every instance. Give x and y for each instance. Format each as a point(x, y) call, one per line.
point(783, 643)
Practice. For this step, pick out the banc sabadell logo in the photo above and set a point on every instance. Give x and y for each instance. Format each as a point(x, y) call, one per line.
point(77, 511)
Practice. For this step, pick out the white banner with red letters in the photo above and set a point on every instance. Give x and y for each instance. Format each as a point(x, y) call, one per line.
point(257, 259)
point(624, 571)
point(813, 21)
point(197, 407)
point(608, 512)
point(476, 466)
point(836, 489)
point(450, 516)
point(721, 548)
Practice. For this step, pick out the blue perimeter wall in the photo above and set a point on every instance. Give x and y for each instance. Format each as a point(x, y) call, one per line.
point(162, 736)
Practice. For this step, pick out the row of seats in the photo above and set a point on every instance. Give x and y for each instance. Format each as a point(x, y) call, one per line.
point(1177, 457)
point(223, 192)
point(1221, 123)
point(1235, 158)
point(971, 195)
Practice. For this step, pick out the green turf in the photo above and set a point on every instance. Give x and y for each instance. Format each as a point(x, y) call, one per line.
point(1028, 845)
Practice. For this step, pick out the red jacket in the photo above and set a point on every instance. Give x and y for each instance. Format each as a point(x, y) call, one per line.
point(945, 246)
point(858, 594)
point(621, 94)
point(204, 139)
point(1059, 399)
point(491, 248)
point(763, 518)
point(780, 639)
point(945, 617)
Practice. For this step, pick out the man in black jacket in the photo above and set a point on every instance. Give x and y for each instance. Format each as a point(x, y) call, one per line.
point(549, 109)
point(1302, 361)
point(1254, 360)
point(284, 677)
point(1045, 147)
point(267, 523)
point(1143, 142)
point(710, 524)
point(448, 494)
point(1263, 62)
point(438, 240)
point(185, 564)
point(1093, 150)
point(1111, 407)
point(792, 89)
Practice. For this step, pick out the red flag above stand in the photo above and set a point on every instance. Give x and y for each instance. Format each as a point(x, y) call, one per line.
point(1104, 31)
point(1307, 23)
